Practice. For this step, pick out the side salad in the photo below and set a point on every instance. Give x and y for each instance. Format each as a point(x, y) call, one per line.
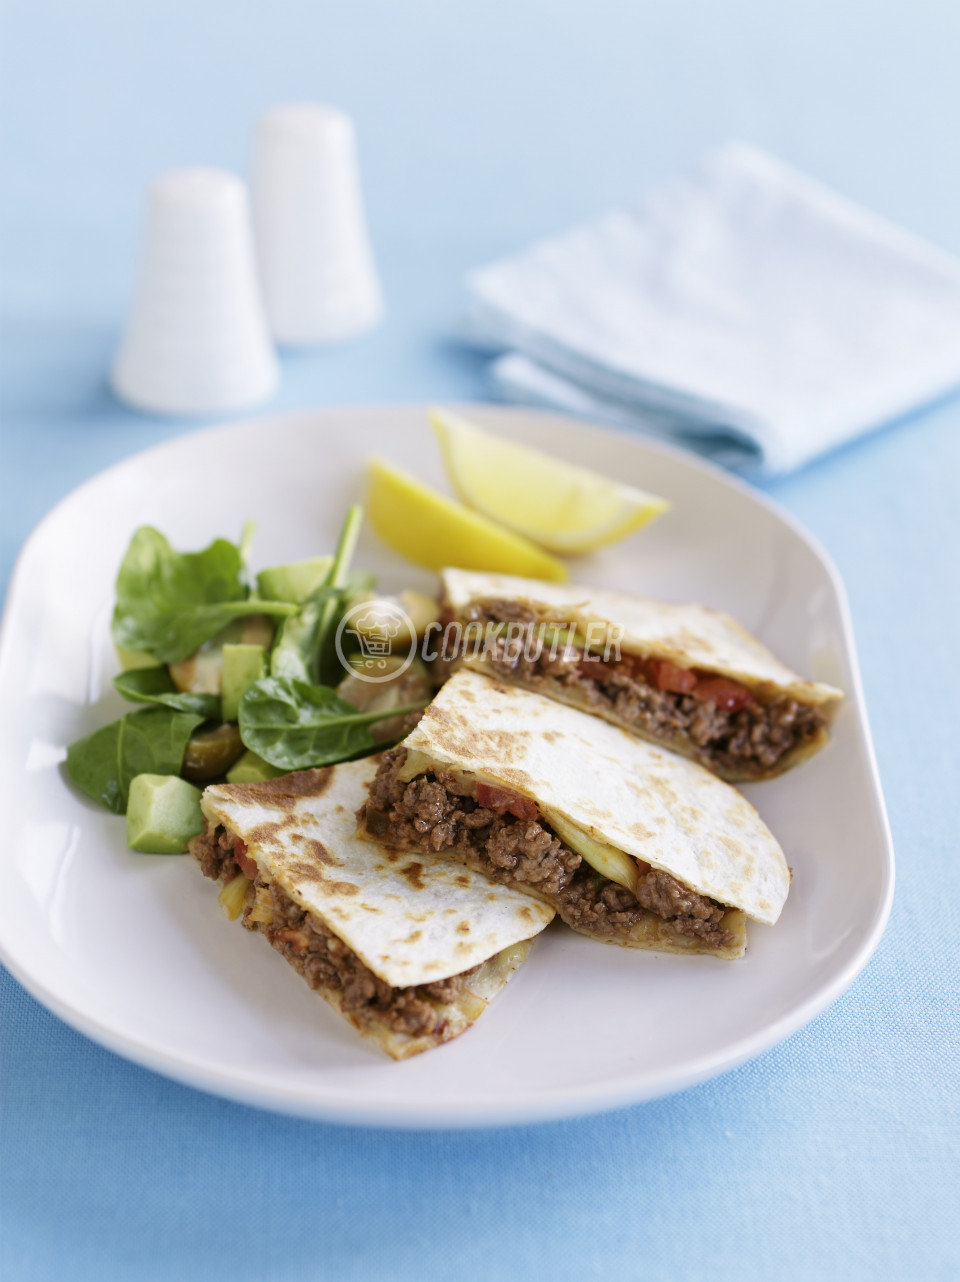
point(234, 677)
point(240, 679)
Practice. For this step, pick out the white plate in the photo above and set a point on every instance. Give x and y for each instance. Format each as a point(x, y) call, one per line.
point(132, 949)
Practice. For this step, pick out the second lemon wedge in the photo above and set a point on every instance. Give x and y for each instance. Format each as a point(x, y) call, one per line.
point(433, 531)
point(561, 506)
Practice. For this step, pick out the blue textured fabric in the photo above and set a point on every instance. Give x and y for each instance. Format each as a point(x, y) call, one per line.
point(482, 128)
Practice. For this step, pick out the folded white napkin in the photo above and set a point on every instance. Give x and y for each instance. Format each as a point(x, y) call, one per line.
point(743, 307)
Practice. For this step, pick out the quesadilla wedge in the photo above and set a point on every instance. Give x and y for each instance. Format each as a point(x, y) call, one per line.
point(631, 844)
point(410, 951)
point(689, 678)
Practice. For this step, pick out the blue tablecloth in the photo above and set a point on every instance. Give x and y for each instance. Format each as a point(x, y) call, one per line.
point(480, 128)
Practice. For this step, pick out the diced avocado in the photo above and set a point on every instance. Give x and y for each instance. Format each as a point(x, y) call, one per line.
point(134, 659)
point(163, 813)
point(252, 769)
point(242, 665)
point(200, 672)
point(295, 581)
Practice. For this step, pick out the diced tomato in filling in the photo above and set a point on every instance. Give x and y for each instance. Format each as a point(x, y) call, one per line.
point(247, 865)
point(505, 800)
point(667, 676)
point(726, 694)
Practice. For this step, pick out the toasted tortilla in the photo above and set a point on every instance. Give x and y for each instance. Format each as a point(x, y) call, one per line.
point(619, 790)
point(689, 636)
point(410, 921)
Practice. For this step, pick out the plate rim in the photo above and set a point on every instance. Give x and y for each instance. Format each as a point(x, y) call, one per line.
point(388, 1111)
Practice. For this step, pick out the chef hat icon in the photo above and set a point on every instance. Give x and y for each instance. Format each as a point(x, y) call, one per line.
point(378, 624)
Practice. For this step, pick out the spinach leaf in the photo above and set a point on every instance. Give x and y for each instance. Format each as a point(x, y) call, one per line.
point(153, 741)
point(358, 583)
point(155, 685)
point(325, 666)
point(293, 724)
point(169, 603)
point(304, 649)
point(93, 765)
point(150, 741)
point(245, 548)
point(297, 643)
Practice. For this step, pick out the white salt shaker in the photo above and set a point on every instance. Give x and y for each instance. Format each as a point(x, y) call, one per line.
point(319, 280)
point(196, 341)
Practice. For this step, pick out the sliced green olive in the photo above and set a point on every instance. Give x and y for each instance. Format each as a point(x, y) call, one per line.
point(211, 753)
point(382, 615)
point(422, 609)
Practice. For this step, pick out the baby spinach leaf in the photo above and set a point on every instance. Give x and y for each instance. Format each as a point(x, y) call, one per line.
point(245, 548)
point(153, 741)
point(294, 725)
point(150, 741)
point(155, 685)
point(169, 603)
point(358, 583)
point(93, 765)
point(297, 642)
point(304, 650)
point(324, 666)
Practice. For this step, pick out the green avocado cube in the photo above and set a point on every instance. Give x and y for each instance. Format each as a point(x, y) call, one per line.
point(134, 659)
point(242, 665)
point(295, 581)
point(252, 769)
point(163, 813)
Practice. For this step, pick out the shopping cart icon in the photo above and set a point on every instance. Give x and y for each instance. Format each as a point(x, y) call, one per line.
point(375, 649)
point(375, 631)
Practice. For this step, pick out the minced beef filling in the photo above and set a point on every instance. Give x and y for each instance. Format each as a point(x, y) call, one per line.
point(323, 959)
point(435, 812)
point(752, 739)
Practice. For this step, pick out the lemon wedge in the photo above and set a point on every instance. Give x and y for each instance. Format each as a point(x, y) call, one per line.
point(434, 531)
point(560, 506)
